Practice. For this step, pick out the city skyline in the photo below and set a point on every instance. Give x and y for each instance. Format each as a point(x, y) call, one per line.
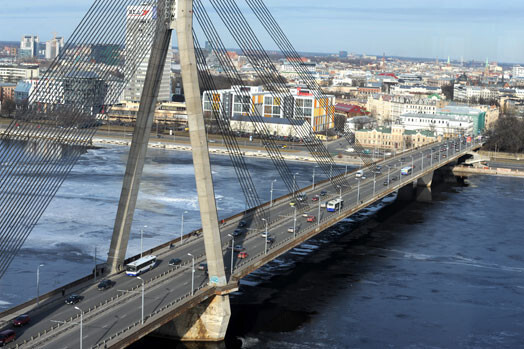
point(476, 30)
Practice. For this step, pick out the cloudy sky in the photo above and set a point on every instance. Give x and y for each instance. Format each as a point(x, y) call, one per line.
point(473, 29)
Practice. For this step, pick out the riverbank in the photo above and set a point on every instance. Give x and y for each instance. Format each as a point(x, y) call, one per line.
point(486, 170)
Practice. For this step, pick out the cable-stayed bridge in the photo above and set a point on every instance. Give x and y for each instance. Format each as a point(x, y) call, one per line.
point(179, 301)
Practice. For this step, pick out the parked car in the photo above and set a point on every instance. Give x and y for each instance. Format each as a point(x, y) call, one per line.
point(21, 320)
point(242, 255)
point(311, 219)
point(105, 284)
point(73, 299)
point(175, 261)
point(7, 336)
point(202, 266)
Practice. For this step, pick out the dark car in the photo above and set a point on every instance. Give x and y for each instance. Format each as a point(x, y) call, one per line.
point(175, 261)
point(73, 299)
point(323, 193)
point(394, 178)
point(105, 284)
point(21, 320)
point(242, 224)
point(202, 266)
point(7, 336)
point(386, 183)
point(237, 232)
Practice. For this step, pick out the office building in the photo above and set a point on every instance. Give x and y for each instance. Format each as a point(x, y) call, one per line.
point(140, 26)
point(53, 47)
point(29, 46)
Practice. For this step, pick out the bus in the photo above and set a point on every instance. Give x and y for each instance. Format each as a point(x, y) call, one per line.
point(140, 265)
point(334, 205)
point(406, 171)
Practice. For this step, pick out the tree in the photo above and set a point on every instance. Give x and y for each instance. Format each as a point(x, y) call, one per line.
point(8, 106)
point(507, 135)
point(447, 90)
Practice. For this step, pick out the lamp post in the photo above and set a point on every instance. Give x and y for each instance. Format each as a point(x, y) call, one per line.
point(271, 199)
point(389, 169)
point(143, 283)
point(265, 247)
point(422, 157)
point(331, 171)
point(345, 173)
point(192, 274)
point(182, 227)
point(94, 260)
point(314, 177)
point(431, 157)
point(295, 223)
point(340, 198)
point(81, 324)
point(141, 239)
point(318, 218)
point(232, 251)
point(412, 164)
point(295, 182)
point(38, 284)
point(358, 191)
point(374, 182)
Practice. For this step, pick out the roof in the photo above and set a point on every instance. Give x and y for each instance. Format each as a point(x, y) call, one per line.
point(82, 75)
point(23, 87)
point(350, 108)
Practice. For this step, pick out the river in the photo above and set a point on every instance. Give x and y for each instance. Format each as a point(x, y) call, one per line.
point(444, 274)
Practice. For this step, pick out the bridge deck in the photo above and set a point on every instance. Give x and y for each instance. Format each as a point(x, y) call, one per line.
point(112, 318)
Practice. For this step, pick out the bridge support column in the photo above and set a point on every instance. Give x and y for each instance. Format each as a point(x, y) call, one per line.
point(199, 148)
point(206, 322)
point(137, 153)
point(405, 193)
point(426, 180)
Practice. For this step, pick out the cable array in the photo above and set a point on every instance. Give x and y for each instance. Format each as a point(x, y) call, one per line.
point(245, 37)
point(276, 33)
point(46, 138)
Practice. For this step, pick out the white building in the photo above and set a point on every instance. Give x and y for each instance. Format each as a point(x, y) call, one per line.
point(518, 71)
point(299, 104)
point(412, 105)
point(15, 73)
point(140, 27)
point(53, 47)
point(443, 125)
point(29, 46)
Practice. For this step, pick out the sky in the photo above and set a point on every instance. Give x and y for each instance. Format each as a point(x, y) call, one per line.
point(472, 29)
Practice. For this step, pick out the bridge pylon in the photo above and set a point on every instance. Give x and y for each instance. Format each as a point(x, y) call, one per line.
point(178, 15)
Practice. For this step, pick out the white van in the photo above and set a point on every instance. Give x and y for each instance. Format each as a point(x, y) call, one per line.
point(359, 174)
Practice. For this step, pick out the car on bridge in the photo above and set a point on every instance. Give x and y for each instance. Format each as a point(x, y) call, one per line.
point(237, 232)
point(238, 248)
point(105, 284)
point(21, 320)
point(73, 299)
point(242, 224)
point(7, 336)
point(290, 230)
point(242, 255)
point(202, 266)
point(270, 239)
point(292, 204)
point(311, 219)
point(265, 234)
point(315, 198)
point(323, 193)
point(175, 261)
point(301, 197)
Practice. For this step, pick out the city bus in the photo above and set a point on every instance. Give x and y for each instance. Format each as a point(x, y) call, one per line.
point(140, 265)
point(406, 171)
point(334, 205)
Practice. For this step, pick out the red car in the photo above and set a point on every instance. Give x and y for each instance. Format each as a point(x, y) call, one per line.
point(311, 219)
point(242, 255)
point(314, 198)
point(7, 336)
point(21, 320)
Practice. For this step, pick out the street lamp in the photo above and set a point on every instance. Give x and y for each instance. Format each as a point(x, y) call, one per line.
point(389, 169)
point(38, 284)
point(265, 248)
point(141, 239)
point(374, 182)
point(182, 227)
point(295, 223)
point(139, 278)
point(318, 218)
point(192, 274)
point(358, 190)
point(81, 324)
point(271, 200)
point(340, 198)
point(314, 177)
point(295, 182)
point(422, 157)
point(232, 250)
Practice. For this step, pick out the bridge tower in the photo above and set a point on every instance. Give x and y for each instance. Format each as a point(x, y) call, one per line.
point(208, 321)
